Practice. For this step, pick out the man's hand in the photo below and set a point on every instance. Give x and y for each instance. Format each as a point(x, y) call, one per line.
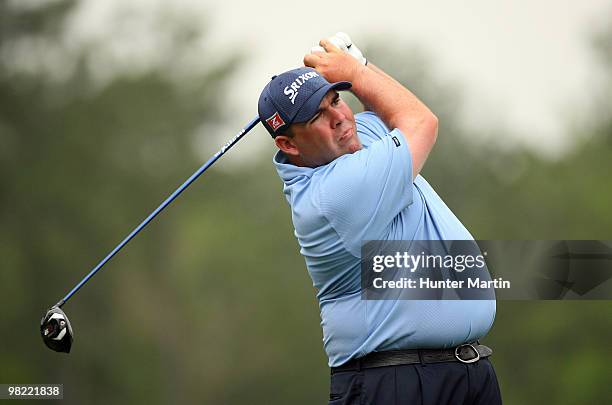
point(334, 64)
point(342, 41)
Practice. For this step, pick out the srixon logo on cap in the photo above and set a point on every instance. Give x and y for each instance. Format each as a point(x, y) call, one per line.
point(292, 90)
point(275, 121)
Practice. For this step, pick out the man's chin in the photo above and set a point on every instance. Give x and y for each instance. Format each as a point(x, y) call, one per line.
point(354, 147)
point(350, 149)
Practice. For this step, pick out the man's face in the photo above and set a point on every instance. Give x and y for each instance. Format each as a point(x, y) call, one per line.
point(331, 133)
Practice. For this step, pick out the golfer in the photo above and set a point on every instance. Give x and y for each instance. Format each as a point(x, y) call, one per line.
point(351, 178)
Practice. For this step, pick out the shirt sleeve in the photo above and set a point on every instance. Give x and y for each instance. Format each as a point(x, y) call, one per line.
point(362, 193)
point(370, 127)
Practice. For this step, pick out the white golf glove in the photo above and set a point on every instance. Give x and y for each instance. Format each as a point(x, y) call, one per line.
point(343, 41)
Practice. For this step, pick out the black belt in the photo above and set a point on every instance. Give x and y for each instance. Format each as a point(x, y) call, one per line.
point(465, 353)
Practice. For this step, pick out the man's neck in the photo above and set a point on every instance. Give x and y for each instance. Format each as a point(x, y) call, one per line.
point(296, 161)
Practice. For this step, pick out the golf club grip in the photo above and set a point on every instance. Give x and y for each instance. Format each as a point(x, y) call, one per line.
point(163, 205)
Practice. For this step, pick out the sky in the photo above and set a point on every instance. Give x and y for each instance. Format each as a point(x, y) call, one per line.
point(524, 64)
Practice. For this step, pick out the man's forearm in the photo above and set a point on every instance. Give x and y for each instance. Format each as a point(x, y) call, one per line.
point(390, 100)
point(398, 108)
point(381, 72)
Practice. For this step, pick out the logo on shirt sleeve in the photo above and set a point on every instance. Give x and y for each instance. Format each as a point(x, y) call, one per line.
point(396, 141)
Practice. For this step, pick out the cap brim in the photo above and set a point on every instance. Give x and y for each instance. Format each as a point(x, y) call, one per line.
point(311, 107)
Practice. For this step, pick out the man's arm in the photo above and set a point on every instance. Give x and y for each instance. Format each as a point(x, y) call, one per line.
point(384, 74)
point(392, 102)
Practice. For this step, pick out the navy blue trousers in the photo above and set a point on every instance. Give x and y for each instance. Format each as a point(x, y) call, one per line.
point(451, 383)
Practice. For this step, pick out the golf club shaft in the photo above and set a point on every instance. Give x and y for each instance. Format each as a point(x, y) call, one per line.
point(163, 205)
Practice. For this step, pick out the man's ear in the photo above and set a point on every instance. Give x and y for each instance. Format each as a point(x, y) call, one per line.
point(287, 145)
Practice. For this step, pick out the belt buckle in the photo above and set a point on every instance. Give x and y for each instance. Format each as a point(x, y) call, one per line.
point(471, 346)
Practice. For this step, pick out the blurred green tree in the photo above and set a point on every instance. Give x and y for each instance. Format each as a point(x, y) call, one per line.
point(81, 162)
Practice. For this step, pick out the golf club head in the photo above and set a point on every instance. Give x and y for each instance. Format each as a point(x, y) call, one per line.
point(56, 331)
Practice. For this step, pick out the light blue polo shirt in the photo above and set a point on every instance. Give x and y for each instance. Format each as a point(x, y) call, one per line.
point(370, 195)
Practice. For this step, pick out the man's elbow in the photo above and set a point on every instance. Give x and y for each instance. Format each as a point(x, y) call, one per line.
point(424, 125)
point(432, 127)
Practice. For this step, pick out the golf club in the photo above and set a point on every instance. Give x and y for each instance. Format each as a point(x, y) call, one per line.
point(55, 328)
